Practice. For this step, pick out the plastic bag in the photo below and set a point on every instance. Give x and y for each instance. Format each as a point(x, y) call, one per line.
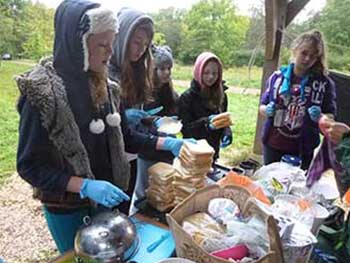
point(296, 208)
point(276, 178)
point(233, 178)
point(223, 209)
point(252, 233)
point(202, 226)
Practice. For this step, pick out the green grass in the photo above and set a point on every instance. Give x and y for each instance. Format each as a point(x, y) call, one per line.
point(8, 117)
point(243, 77)
point(244, 110)
point(237, 77)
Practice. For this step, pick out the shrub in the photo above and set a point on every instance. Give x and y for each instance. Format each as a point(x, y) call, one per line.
point(338, 61)
point(242, 58)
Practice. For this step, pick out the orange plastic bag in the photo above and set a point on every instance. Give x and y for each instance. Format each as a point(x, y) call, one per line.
point(346, 198)
point(233, 178)
point(303, 204)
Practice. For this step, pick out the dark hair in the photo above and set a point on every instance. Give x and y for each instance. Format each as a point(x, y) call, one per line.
point(136, 76)
point(165, 94)
point(316, 39)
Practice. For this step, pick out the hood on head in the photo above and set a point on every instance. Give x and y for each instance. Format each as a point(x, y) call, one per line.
point(75, 20)
point(129, 19)
point(99, 20)
point(68, 48)
point(200, 63)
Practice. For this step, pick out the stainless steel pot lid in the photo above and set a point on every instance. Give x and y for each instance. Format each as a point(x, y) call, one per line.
point(107, 236)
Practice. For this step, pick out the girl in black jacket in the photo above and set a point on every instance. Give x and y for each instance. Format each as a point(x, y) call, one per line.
point(199, 105)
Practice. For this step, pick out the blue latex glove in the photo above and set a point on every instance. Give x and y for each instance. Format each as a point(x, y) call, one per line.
point(102, 192)
point(270, 109)
point(211, 125)
point(314, 112)
point(226, 140)
point(134, 116)
point(174, 145)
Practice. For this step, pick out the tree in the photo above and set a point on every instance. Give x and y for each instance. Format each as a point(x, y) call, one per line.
point(256, 29)
point(333, 21)
point(7, 40)
point(168, 22)
point(159, 39)
point(11, 17)
point(212, 25)
point(39, 30)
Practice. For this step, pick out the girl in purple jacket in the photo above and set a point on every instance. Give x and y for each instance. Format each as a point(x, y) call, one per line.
point(294, 99)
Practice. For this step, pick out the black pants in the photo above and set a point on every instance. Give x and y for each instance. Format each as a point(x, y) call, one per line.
point(124, 207)
point(272, 155)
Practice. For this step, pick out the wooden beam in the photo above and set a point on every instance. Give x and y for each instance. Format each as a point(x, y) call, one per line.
point(294, 7)
point(278, 10)
point(270, 28)
point(275, 21)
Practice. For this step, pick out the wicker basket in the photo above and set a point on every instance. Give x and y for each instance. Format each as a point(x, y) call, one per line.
point(198, 202)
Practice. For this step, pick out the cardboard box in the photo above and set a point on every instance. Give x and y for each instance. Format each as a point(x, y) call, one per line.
point(198, 202)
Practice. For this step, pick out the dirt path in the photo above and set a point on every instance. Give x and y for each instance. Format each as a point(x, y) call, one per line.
point(24, 236)
point(24, 62)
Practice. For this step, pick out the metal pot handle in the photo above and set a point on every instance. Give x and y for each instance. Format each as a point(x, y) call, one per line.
point(120, 244)
point(87, 220)
point(115, 210)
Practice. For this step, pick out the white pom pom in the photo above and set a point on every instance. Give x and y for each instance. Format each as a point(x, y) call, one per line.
point(113, 119)
point(97, 126)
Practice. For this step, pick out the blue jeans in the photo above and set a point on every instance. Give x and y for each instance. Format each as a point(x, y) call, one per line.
point(141, 182)
point(63, 227)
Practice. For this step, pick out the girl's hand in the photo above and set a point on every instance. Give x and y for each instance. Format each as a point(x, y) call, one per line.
point(336, 131)
point(270, 109)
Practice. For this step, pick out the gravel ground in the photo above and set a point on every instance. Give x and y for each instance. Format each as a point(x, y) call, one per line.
point(24, 236)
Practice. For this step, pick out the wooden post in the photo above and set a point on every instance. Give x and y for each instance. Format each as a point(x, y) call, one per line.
point(278, 15)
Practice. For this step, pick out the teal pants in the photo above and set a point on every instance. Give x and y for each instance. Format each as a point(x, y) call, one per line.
point(63, 227)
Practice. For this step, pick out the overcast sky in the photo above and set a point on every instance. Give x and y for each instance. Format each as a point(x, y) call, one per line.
point(155, 5)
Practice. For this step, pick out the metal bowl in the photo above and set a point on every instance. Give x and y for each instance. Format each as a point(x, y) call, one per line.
point(107, 237)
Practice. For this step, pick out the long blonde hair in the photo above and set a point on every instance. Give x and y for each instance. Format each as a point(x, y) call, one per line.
point(98, 88)
point(316, 39)
point(136, 77)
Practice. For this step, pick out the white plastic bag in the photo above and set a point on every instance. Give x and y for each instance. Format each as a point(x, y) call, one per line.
point(276, 178)
point(223, 209)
